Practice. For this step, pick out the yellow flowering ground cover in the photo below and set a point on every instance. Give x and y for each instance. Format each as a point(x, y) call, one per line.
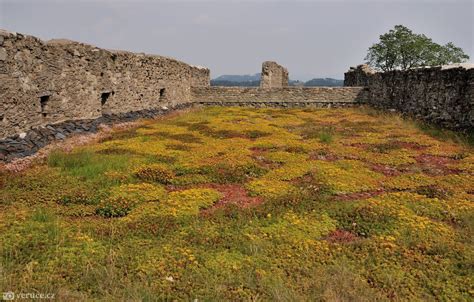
point(242, 204)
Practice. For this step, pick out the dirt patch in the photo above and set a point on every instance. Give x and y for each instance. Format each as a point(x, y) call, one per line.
point(341, 236)
point(436, 165)
point(231, 194)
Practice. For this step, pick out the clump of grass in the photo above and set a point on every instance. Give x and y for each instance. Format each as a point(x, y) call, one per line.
point(70, 160)
point(326, 136)
point(43, 215)
point(466, 138)
point(87, 164)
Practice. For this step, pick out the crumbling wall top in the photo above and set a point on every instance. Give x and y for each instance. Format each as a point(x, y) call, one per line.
point(358, 76)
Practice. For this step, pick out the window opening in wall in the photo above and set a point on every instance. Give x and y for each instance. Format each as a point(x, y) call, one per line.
point(104, 97)
point(44, 103)
point(162, 94)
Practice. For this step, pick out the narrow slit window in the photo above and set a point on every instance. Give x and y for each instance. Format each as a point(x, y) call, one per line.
point(44, 104)
point(104, 97)
point(162, 94)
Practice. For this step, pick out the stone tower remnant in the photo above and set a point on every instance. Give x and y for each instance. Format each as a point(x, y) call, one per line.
point(273, 75)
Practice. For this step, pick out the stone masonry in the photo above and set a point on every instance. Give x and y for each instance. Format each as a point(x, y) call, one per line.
point(285, 96)
point(273, 75)
point(51, 90)
point(43, 83)
point(358, 76)
point(442, 96)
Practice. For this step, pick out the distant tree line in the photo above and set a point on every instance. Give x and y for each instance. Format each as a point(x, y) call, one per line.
point(233, 84)
point(327, 82)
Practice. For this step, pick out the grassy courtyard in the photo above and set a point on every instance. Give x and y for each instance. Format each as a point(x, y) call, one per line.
point(234, 204)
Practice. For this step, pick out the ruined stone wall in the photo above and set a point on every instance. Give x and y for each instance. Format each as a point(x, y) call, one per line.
point(51, 82)
point(200, 76)
point(358, 76)
point(443, 96)
point(285, 96)
point(273, 75)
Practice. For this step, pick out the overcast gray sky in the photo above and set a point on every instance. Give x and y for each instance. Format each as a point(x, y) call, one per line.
point(310, 38)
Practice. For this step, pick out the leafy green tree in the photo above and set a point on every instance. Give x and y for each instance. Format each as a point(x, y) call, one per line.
point(400, 48)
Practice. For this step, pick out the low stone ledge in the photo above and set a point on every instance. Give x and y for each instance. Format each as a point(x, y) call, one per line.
point(282, 94)
point(262, 104)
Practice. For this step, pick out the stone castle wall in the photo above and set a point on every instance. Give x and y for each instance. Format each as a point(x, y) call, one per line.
point(49, 90)
point(358, 76)
point(273, 75)
point(443, 96)
point(200, 76)
point(52, 82)
point(285, 96)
